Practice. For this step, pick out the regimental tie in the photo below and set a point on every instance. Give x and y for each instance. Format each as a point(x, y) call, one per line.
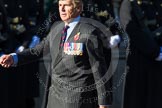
point(63, 36)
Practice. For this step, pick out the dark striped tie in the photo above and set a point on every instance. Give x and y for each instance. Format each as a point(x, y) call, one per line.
point(63, 36)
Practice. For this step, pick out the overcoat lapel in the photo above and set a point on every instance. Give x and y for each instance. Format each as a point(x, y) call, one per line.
point(56, 43)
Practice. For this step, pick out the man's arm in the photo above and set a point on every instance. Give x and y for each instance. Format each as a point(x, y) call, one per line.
point(26, 56)
point(96, 54)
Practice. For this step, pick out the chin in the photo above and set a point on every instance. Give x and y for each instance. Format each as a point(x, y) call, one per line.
point(63, 18)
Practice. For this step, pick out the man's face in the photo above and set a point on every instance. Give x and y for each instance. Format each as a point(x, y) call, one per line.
point(67, 10)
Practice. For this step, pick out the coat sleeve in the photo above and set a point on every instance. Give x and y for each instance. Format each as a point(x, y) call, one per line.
point(99, 68)
point(33, 54)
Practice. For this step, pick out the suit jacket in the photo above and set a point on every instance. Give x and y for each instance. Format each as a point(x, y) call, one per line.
point(77, 81)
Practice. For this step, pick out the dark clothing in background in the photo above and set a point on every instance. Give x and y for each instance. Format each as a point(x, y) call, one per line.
point(20, 22)
point(143, 81)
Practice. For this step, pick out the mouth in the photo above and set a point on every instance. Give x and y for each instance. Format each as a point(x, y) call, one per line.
point(63, 14)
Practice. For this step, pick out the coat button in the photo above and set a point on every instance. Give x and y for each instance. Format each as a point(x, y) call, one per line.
point(151, 3)
point(139, 2)
point(6, 5)
point(158, 34)
point(161, 4)
point(20, 6)
point(37, 13)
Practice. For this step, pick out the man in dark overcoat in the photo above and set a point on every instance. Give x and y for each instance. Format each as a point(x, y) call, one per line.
point(78, 68)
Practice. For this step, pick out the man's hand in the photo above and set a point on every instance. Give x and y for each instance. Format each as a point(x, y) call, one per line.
point(6, 61)
point(103, 106)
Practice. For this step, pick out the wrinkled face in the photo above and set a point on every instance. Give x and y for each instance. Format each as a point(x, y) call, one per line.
point(67, 10)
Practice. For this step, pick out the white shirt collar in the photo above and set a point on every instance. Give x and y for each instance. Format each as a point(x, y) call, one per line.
point(72, 26)
point(74, 21)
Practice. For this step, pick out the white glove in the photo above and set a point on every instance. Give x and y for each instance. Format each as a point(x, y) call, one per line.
point(114, 41)
point(20, 49)
point(159, 58)
point(35, 41)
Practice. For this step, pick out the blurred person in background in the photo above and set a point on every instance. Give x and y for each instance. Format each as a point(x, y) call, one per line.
point(20, 20)
point(143, 23)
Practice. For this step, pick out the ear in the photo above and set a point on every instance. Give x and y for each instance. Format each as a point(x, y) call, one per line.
point(78, 9)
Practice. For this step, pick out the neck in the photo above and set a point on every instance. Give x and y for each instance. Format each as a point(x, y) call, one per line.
point(68, 21)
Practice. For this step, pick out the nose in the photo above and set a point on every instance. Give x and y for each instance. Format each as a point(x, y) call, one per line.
point(62, 8)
